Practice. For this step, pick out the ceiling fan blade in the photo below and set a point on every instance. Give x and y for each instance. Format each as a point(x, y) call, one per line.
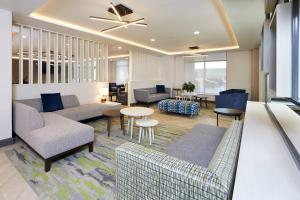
point(112, 28)
point(124, 25)
point(140, 24)
point(116, 12)
point(105, 19)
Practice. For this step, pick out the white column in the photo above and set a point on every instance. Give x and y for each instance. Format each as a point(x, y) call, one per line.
point(5, 76)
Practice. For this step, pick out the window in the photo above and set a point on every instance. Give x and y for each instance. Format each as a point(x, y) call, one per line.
point(208, 76)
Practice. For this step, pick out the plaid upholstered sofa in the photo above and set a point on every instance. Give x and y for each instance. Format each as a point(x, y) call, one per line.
point(143, 173)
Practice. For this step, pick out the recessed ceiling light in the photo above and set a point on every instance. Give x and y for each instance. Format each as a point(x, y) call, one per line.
point(24, 36)
point(120, 48)
point(196, 32)
point(152, 40)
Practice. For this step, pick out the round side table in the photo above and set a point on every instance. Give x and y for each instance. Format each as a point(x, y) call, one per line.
point(228, 112)
point(133, 112)
point(110, 114)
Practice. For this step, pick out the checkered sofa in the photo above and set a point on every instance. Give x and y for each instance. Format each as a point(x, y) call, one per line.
point(179, 106)
point(143, 173)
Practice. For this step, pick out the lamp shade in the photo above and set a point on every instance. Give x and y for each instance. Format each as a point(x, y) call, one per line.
point(103, 92)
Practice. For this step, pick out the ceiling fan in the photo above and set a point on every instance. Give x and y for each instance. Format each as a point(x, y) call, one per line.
point(120, 11)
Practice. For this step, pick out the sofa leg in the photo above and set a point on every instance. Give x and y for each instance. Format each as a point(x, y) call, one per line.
point(91, 147)
point(47, 165)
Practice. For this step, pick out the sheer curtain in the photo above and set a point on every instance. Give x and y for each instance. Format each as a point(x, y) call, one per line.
point(208, 73)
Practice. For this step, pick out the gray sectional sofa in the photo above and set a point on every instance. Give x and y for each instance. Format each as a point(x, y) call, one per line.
point(149, 95)
point(200, 165)
point(52, 135)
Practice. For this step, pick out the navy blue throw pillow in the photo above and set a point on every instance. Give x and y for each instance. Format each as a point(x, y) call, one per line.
point(160, 89)
point(52, 102)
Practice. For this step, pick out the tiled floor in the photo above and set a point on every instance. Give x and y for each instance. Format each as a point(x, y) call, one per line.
point(14, 187)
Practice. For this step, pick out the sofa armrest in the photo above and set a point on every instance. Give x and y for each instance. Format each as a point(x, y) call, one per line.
point(168, 90)
point(25, 119)
point(141, 95)
point(144, 173)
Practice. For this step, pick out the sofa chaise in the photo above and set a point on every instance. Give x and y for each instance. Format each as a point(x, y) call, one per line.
point(54, 134)
point(150, 95)
point(199, 165)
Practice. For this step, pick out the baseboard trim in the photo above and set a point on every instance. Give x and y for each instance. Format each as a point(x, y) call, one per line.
point(6, 142)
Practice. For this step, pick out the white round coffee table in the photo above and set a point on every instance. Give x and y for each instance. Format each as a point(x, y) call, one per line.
point(133, 112)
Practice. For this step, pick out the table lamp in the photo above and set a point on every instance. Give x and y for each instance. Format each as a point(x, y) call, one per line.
point(103, 94)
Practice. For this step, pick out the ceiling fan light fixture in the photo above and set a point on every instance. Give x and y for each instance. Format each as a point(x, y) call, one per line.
point(123, 25)
point(116, 12)
point(105, 19)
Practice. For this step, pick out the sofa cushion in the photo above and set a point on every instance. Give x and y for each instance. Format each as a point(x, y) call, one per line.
point(160, 89)
point(59, 135)
point(158, 97)
point(34, 103)
point(224, 160)
point(85, 111)
point(52, 102)
point(198, 146)
point(70, 101)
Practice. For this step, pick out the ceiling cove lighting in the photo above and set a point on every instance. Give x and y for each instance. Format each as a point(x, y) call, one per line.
point(51, 20)
point(118, 56)
point(124, 25)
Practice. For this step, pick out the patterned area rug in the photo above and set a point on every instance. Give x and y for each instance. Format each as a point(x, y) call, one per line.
point(83, 175)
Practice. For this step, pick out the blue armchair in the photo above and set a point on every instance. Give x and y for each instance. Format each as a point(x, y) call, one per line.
point(232, 91)
point(232, 100)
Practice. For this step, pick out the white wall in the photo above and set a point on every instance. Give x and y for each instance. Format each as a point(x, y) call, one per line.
point(239, 65)
point(5, 75)
point(148, 70)
point(86, 92)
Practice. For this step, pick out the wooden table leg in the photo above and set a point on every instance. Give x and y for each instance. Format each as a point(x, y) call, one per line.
point(108, 125)
point(217, 119)
point(122, 123)
point(206, 102)
point(200, 99)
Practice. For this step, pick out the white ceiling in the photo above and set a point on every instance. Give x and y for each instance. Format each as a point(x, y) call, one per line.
point(170, 22)
point(246, 17)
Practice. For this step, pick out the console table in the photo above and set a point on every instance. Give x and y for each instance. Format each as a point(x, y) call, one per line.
point(266, 170)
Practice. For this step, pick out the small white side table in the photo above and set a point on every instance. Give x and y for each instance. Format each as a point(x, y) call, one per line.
point(146, 128)
point(133, 112)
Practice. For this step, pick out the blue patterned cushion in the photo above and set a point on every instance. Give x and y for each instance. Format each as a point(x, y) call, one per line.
point(179, 106)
